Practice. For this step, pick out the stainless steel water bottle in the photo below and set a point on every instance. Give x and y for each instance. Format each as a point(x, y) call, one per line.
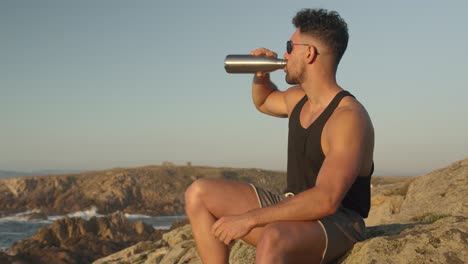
point(252, 64)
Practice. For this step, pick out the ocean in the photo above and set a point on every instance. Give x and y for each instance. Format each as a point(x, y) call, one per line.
point(16, 227)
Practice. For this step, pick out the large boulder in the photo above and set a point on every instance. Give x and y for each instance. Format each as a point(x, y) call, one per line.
point(444, 241)
point(442, 192)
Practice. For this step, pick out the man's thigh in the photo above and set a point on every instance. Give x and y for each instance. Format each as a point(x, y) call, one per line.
point(222, 197)
point(297, 241)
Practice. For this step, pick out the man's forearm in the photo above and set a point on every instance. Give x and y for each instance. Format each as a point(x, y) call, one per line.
point(262, 87)
point(309, 205)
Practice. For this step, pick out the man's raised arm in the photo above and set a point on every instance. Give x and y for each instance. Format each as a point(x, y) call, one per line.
point(266, 96)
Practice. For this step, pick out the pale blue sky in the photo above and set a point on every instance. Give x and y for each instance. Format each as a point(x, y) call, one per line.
point(102, 84)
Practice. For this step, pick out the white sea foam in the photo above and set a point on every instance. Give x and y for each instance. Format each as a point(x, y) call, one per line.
point(26, 216)
point(162, 227)
point(22, 217)
point(86, 214)
point(136, 216)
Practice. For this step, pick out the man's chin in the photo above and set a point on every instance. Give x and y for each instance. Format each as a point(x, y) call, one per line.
point(291, 81)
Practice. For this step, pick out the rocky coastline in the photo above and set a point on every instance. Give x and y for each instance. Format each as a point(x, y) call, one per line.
point(150, 190)
point(420, 219)
point(75, 240)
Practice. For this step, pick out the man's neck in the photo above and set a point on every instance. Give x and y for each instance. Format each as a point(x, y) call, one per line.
point(320, 89)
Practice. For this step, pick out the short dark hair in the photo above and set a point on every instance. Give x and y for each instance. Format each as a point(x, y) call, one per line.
point(327, 26)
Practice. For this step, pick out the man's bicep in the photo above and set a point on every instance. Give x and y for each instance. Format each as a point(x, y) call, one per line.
point(281, 103)
point(342, 164)
point(337, 174)
point(275, 105)
point(346, 136)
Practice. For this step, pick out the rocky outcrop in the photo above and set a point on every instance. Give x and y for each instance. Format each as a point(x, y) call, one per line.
point(5, 258)
point(444, 241)
point(441, 192)
point(386, 201)
point(75, 240)
point(151, 190)
point(407, 224)
point(176, 246)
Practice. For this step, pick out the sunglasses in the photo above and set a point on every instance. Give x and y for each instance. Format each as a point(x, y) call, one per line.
point(290, 45)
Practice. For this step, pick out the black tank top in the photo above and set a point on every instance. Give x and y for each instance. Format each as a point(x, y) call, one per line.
point(305, 157)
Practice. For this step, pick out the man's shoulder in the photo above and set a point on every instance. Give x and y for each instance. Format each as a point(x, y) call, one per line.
point(349, 112)
point(350, 106)
point(295, 93)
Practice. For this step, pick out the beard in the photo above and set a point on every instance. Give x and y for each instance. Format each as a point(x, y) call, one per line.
point(291, 80)
point(295, 76)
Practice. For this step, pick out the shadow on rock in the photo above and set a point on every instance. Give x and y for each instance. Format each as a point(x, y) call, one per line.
point(388, 230)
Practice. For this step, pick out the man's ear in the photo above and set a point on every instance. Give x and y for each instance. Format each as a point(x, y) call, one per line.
point(312, 55)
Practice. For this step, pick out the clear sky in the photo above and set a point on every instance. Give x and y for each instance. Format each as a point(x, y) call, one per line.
point(102, 84)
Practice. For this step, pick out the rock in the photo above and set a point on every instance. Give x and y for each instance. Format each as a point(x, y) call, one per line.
point(75, 240)
point(191, 256)
point(5, 258)
point(179, 248)
point(176, 246)
point(386, 200)
point(134, 254)
point(155, 256)
point(442, 192)
point(444, 241)
point(242, 253)
point(177, 236)
point(178, 252)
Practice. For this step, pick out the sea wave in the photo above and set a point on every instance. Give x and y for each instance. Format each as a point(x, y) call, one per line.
point(23, 217)
point(135, 216)
point(86, 214)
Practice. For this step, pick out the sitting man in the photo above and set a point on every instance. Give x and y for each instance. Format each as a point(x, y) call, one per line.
point(330, 160)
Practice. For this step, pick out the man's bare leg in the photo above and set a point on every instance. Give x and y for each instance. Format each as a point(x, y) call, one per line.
point(208, 200)
point(291, 242)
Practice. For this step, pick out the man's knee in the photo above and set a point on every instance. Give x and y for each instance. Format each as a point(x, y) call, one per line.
point(194, 194)
point(272, 242)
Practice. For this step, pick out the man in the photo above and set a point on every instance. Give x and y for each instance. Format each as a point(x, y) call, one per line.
point(330, 161)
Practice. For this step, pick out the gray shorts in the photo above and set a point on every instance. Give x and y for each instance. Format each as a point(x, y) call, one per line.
point(342, 229)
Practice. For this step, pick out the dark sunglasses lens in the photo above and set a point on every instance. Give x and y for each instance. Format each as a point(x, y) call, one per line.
point(289, 47)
